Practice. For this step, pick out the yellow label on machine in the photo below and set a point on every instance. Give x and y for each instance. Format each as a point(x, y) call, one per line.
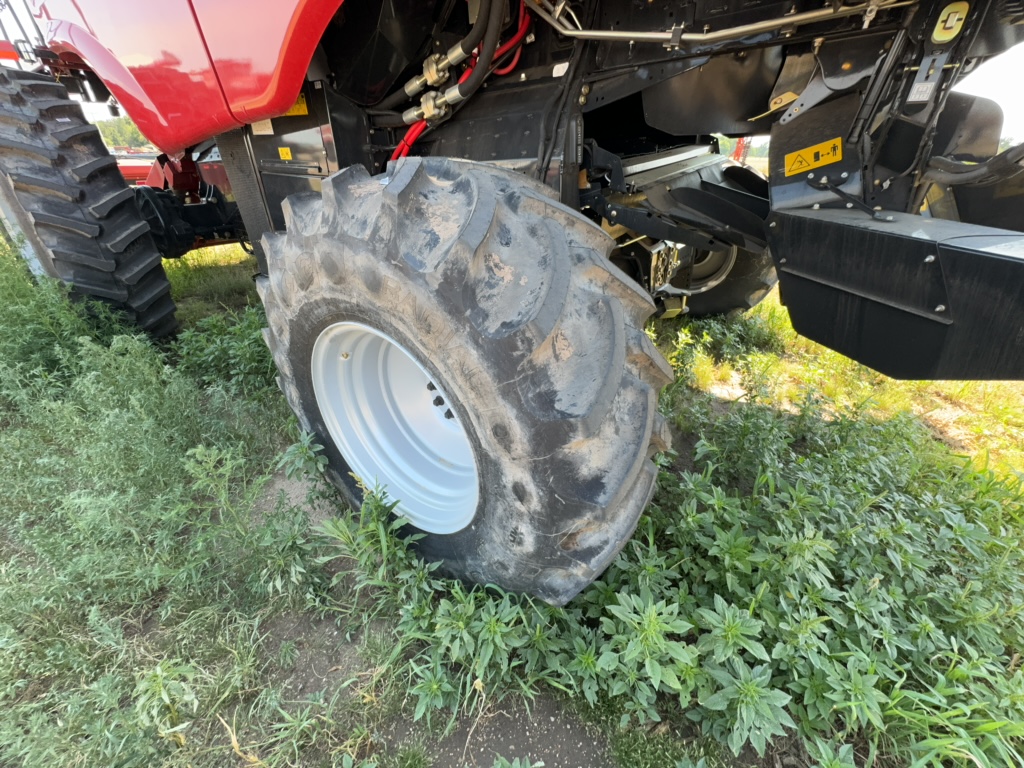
point(950, 22)
point(826, 153)
point(298, 108)
point(285, 153)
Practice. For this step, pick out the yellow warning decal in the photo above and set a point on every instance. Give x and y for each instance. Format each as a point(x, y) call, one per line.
point(950, 22)
point(285, 153)
point(826, 153)
point(298, 108)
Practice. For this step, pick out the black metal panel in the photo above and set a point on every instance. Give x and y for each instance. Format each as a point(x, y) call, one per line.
point(496, 124)
point(993, 205)
point(719, 97)
point(372, 43)
point(914, 298)
point(823, 123)
point(278, 186)
point(305, 148)
point(245, 185)
point(969, 128)
point(608, 89)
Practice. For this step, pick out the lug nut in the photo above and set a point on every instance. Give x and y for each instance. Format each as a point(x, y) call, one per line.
point(438, 401)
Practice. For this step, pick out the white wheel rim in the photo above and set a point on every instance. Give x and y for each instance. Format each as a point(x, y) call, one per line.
point(395, 426)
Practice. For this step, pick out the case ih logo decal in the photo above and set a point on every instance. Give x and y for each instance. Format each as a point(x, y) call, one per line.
point(951, 21)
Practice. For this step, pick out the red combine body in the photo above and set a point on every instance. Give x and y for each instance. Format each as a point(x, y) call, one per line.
point(465, 213)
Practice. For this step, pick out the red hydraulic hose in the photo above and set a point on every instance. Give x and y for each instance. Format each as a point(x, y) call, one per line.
point(417, 128)
point(515, 42)
point(407, 141)
point(502, 71)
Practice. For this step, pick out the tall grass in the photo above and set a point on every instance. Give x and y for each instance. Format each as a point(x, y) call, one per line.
point(980, 419)
point(208, 281)
point(137, 563)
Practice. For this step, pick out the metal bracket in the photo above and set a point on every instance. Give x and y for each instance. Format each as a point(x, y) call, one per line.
point(851, 201)
point(676, 40)
point(651, 223)
point(815, 92)
point(597, 159)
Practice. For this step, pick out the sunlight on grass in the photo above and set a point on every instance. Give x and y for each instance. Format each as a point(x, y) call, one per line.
point(981, 419)
point(209, 280)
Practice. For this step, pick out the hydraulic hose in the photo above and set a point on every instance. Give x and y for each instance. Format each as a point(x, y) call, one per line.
point(476, 34)
point(464, 90)
point(456, 54)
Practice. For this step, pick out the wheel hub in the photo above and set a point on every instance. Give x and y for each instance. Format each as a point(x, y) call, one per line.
point(395, 426)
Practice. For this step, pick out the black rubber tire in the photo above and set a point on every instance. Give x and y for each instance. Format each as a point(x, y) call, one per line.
point(748, 282)
point(510, 302)
point(61, 190)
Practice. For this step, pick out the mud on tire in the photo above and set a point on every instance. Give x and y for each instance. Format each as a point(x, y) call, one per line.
point(61, 188)
point(507, 299)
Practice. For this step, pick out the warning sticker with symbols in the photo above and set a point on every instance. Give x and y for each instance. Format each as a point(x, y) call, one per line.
point(826, 153)
point(285, 153)
point(298, 108)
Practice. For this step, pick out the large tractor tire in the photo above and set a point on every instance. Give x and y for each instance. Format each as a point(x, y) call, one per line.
point(729, 281)
point(63, 198)
point(451, 332)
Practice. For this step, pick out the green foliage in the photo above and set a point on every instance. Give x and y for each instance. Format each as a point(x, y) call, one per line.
point(839, 579)
point(122, 132)
point(228, 350)
point(138, 553)
point(501, 762)
point(164, 697)
point(814, 574)
point(303, 458)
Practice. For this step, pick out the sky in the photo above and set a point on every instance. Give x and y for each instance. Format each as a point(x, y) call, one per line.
point(999, 79)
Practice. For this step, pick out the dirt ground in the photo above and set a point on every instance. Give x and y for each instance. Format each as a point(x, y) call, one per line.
point(328, 658)
point(543, 732)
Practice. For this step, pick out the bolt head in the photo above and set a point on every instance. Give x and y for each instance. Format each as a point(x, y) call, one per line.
point(940, 308)
point(810, 175)
point(849, 205)
point(844, 175)
point(929, 258)
point(772, 225)
point(816, 206)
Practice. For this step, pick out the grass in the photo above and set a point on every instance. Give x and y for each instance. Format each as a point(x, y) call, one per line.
point(208, 281)
point(980, 419)
point(818, 580)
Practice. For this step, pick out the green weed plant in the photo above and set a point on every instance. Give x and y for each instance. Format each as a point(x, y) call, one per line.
point(816, 577)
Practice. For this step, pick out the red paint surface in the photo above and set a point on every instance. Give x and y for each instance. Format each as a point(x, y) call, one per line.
point(184, 74)
point(133, 171)
point(261, 51)
point(151, 57)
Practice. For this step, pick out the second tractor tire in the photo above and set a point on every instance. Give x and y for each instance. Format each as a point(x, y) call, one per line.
point(61, 191)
